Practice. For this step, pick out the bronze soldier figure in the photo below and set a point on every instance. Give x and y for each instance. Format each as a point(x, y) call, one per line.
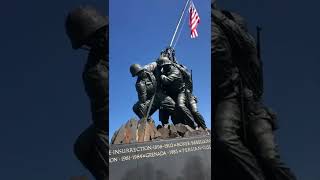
point(243, 127)
point(186, 110)
point(174, 86)
point(191, 101)
point(192, 105)
point(146, 87)
point(88, 29)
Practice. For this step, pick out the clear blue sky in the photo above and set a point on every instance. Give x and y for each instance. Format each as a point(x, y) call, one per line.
point(43, 105)
point(139, 30)
point(290, 52)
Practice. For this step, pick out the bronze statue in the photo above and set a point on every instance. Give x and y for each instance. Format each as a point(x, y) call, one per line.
point(243, 126)
point(149, 95)
point(172, 86)
point(88, 29)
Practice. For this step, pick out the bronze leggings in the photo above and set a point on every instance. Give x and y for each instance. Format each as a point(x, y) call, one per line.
point(258, 159)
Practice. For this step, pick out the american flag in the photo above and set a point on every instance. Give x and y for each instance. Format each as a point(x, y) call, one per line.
point(194, 20)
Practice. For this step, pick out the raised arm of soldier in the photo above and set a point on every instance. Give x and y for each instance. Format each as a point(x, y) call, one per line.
point(151, 66)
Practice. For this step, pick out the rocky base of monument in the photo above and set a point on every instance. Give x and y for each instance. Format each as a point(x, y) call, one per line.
point(144, 130)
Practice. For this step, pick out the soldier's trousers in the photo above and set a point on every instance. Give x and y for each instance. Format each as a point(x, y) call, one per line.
point(161, 101)
point(92, 148)
point(258, 159)
point(182, 102)
point(192, 105)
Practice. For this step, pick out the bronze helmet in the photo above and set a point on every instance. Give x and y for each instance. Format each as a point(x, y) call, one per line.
point(163, 60)
point(135, 69)
point(83, 22)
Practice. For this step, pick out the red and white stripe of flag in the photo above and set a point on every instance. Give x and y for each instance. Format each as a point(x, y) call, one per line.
point(194, 20)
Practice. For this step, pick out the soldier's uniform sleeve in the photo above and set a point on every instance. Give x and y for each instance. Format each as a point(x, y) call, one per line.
point(96, 81)
point(142, 92)
point(220, 48)
point(173, 75)
point(151, 67)
point(229, 37)
point(225, 71)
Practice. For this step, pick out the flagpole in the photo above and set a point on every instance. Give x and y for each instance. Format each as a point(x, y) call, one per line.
point(175, 32)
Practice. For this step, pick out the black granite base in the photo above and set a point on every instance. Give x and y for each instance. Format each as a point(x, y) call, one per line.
point(174, 159)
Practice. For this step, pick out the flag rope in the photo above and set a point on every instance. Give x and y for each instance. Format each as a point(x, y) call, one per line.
point(175, 32)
